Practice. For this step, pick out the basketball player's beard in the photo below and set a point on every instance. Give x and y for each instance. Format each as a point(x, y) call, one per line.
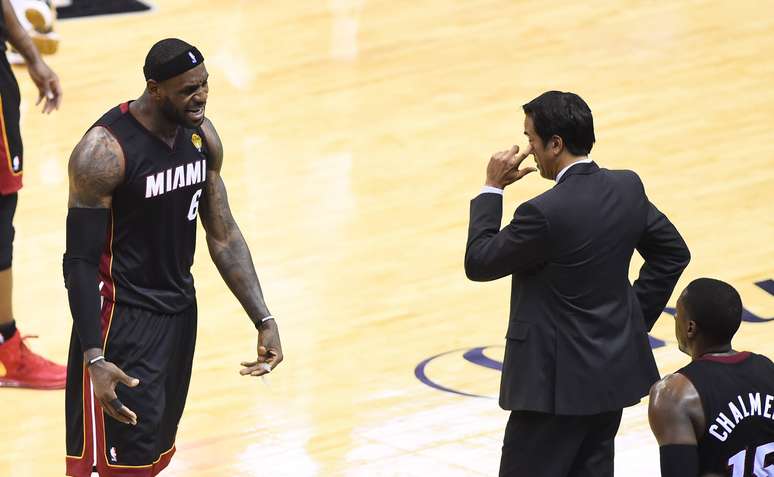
point(178, 116)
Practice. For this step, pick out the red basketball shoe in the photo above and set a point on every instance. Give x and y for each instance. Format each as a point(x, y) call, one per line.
point(21, 368)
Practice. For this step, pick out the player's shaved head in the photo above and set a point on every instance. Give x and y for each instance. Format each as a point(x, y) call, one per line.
point(715, 306)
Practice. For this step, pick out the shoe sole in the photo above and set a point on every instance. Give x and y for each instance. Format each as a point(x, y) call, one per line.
point(12, 383)
point(38, 20)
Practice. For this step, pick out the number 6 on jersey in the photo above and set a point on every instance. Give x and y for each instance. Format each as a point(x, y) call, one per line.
point(194, 209)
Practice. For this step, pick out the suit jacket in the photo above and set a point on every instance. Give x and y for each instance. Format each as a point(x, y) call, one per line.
point(577, 340)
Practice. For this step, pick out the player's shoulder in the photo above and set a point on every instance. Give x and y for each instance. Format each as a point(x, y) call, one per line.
point(762, 358)
point(100, 139)
point(98, 153)
point(112, 116)
point(95, 169)
point(675, 411)
point(211, 138)
point(672, 392)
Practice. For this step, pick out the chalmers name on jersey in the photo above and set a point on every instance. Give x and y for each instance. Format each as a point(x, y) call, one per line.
point(152, 232)
point(737, 396)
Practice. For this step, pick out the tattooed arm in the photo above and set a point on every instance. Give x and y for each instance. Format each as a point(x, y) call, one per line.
point(96, 168)
point(229, 251)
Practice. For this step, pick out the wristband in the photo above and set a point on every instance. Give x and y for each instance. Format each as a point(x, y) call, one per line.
point(261, 321)
point(679, 460)
point(94, 360)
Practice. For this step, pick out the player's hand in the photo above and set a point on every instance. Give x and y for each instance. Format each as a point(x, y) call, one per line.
point(269, 351)
point(503, 169)
point(48, 85)
point(104, 377)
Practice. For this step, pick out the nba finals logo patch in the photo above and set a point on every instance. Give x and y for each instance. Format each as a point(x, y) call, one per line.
point(197, 141)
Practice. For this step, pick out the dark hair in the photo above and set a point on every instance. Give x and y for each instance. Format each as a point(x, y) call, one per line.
point(565, 115)
point(715, 306)
point(163, 51)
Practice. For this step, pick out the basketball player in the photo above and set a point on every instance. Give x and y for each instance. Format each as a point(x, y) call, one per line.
point(138, 180)
point(714, 417)
point(19, 366)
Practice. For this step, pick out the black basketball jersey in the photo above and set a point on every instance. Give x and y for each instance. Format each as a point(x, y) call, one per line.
point(737, 394)
point(3, 32)
point(152, 232)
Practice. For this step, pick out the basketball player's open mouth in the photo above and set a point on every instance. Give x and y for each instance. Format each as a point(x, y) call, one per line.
point(196, 114)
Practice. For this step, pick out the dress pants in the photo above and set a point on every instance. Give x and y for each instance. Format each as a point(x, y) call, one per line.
point(537, 444)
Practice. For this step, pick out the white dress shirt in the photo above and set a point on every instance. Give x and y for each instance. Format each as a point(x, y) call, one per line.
point(561, 173)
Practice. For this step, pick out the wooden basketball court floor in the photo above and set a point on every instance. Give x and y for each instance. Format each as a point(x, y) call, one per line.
point(355, 132)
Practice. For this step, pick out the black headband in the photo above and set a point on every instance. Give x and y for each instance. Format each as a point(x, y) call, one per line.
point(176, 66)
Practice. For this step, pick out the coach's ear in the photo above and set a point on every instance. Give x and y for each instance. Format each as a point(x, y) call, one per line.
point(555, 145)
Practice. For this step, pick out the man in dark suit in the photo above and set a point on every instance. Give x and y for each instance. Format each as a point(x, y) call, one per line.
point(577, 349)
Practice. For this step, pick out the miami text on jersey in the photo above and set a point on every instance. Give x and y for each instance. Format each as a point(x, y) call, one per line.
point(175, 178)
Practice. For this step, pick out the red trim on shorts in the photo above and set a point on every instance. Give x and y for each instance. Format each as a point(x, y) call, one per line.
point(144, 471)
point(10, 180)
point(730, 359)
point(105, 469)
point(82, 466)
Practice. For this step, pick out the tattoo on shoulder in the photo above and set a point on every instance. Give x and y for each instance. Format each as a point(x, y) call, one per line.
point(96, 168)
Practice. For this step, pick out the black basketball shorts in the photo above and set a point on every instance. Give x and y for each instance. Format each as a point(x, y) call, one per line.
point(11, 150)
point(7, 232)
point(158, 350)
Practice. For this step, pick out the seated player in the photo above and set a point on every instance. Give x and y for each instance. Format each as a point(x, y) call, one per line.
point(715, 416)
